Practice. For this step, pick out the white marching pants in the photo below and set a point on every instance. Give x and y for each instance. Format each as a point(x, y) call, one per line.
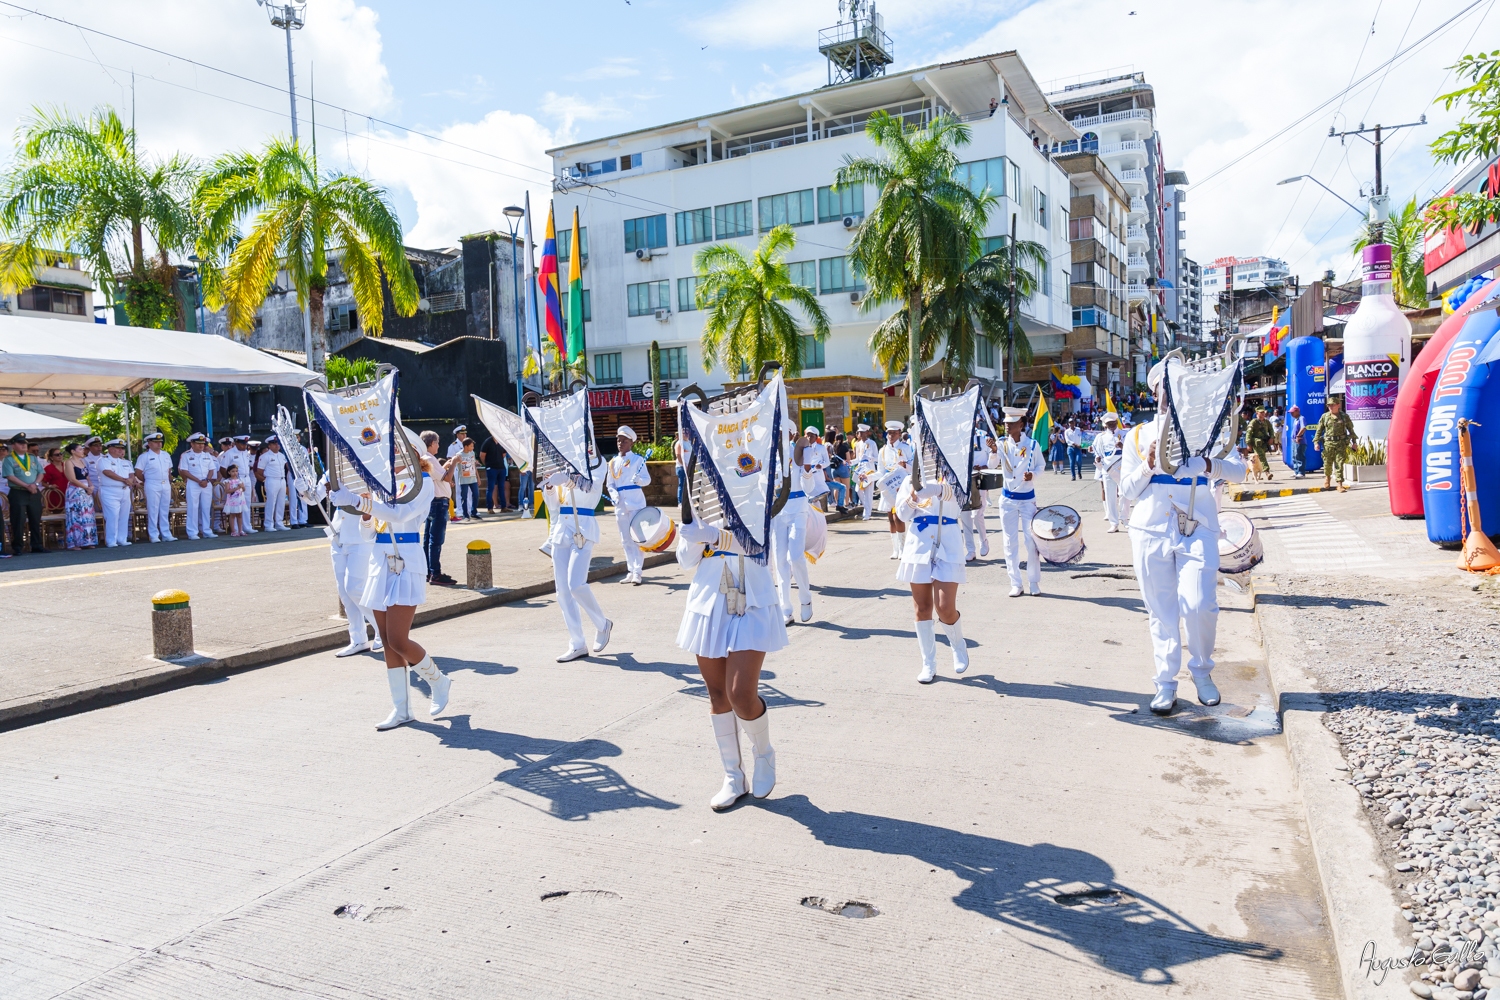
point(789, 555)
point(116, 504)
point(867, 500)
point(356, 615)
point(973, 523)
point(635, 559)
point(159, 511)
point(275, 504)
point(298, 506)
point(1116, 506)
point(570, 572)
point(1015, 521)
point(1177, 577)
point(200, 510)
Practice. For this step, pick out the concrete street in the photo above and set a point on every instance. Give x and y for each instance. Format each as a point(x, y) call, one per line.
point(1027, 828)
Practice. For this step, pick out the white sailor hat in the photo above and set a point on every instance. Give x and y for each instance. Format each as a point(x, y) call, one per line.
point(1156, 374)
point(1111, 418)
point(1014, 413)
point(271, 439)
point(94, 438)
point(894, 425)
point(156, 436)
point(625, 431)
point(114, 443)
point(242, 437)
point(461, 427)
point(196, 436)
point(862, 427)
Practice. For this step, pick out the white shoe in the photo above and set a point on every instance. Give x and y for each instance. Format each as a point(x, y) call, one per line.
point(1015, 592)
point(927, 643)
point(984, 552)
point(727, 736)
point(352, 648)
point(637, 580)
point(601, 636)
point(1208, 691)
point(437, 681)
point(573, 653)
point(759, 731)
point(1165, 700)
point(968, 557)
point(209, 534)
point(629, 579)
point(1035, 590)
point(401, 712)
point(786, 614)
point(806, 612)
point(955, 634)
point(376, 646)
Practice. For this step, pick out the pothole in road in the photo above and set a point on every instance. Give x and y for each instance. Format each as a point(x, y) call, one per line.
point(586, 895)
point(851, 908)
point(370, 914)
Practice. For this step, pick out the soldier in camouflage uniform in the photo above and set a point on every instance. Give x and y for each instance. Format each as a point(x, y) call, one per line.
point(1259, 436)
point(1334, 436)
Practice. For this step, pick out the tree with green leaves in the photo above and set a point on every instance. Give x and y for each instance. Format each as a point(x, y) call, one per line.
point(170, 416)
point(341, 371)
point(748, 299)
point(1476, 136)
point(919, 236)
point(78, 184)
point(1405, 234)
point(298, 217)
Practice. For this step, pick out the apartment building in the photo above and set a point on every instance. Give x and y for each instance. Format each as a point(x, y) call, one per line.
point(1190, 302)
point(1237, 273)
point(63, 290)
point(649, 199)
point(1174, 241)
point(1098, 228)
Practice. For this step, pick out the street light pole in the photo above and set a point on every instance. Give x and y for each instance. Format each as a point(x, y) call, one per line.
point(513, 215)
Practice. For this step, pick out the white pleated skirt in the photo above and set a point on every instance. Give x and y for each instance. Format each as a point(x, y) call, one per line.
point(408, 588)
point(939, 571)
point(717, 635)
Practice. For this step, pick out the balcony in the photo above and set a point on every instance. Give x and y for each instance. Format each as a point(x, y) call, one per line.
point(1137, 291)
point(1136, 262)
point(1137, 206)
point(1126, 147)
point(1094, 121)
point(1136, 234)
point(1133, 177)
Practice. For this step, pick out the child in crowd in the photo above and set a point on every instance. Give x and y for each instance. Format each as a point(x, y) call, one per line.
point(235, 504)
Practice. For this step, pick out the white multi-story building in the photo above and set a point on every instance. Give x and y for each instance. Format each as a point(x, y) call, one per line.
point(649, 199)
point(1237, 272)
point(1174, 254)
point(62, 290)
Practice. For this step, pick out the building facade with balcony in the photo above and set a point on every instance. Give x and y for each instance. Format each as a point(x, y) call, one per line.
point(1236, 273)
point(1175, 304)
point(63, 290)
point(649, 199)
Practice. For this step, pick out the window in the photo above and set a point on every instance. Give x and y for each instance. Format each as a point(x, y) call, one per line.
point(54, 300)
point(998, 174)
point(696, 226)
point(1090, 142)
point(630, 161)
point(1090, 273)
point(341, 318)
point(687, 294)
point(795, 208)
point(834, 204)
point(607, 369)
point(565, 244)
point(648, 232)
point(674, 363)
point(1041, 208)
point(647, 297)
point(588, 306)
point(596, 167)
point(990, 244)
point(733, 220)
point(804, 273)
point(984, 353)
point(839, 274)
point(810, 351)
point(1081, 229)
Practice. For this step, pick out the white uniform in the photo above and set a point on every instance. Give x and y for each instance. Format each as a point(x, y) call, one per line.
point(891, 457)
point(973, 520)
point(1177, 573)
point(455, 448)
point(272, 465)
point(573, 509)
point(1107, 461)
point(815, 481)
point(707, 629)
point(296, 506)
point(155, 468)
point(114, 497)
point(91, 466)
point(624, 477)
point(1018, 506)
point(351, 544)
point(934, 550)
point(240, 458)
point(398, 531)
point(789, 544)
point(200, 499)
point(866, 457)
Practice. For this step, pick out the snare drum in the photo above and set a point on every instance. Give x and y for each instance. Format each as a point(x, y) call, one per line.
point(1240, 550)
point(652, 530)
point(990, 479)
point(1058, 531)
point(815, 539)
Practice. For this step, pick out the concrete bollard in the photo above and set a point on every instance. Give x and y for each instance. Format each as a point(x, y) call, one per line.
point(481, 575)
point(171, 625)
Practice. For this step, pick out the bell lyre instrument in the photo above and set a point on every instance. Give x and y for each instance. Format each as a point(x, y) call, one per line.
point(699, 498)
point(362, 432)
point(565, 446)
point(1201, 401)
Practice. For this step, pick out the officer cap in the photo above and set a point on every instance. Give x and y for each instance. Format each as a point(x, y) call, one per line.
point(156, 436)
point(894, 425)
point(626, 431)
point(461, 427)
point(18, 438)
point(1111, 418)
point(196, 436)
point(1014, 413)
point(114, 443)
point(862, 427)
point(93, 439)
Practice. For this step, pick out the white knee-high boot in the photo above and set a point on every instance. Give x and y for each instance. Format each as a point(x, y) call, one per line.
point(401, 712)
point(437, 681)
point(727, 736)
point(898, 538)
point(955, 634)
point(927, 641)
point(759, 731)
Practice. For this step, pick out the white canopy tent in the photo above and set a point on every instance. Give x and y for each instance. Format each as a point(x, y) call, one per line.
point(14, 420)
point(64, 362)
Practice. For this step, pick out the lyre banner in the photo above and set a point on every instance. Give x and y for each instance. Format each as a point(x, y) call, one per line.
point(360, 427)
point(510, 429)
point(949, 424)
point(744, 456)
point(1199, 404)
point(564, 430)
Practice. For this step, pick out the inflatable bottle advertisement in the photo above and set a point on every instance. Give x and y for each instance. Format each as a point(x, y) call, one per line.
point(1377, 349)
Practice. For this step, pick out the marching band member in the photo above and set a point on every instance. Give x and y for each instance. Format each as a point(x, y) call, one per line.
point(1107, 458)
point(1020, 460)
point(116, 477)
point(199, 469)
point(866, 461)
point(351, 546)
point(986, 456)
point(933, 564)
point(154, 468)
point(894, 454)
point(270, 468)
point(814, 461)
point(789, 537)
point(396, 585)
point(626, 475)
point(1176, 560)
point(575, 532)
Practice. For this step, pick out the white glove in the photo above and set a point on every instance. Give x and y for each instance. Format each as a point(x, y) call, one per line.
point(555, 480)
point(700, 531)
point(1195, 466)
point(930, 490)
point(343, 498)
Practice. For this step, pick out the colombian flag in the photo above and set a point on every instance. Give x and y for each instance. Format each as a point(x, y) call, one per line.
point(1041, 430)
point(547, 280)
point(1064, 386)
point(575, 295)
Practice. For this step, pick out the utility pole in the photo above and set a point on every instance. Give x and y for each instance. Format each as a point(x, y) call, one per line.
point(1379, 203)
point(288, 17)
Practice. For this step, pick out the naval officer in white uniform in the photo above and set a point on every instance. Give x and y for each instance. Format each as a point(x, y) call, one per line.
point(199, 471)
point(154, 467)
point(116, 477)
point(625, 478)
point(1020, 462)
point(271, 467)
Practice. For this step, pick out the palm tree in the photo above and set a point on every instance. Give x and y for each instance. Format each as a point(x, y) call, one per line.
point(298, 217)
point(748, 321)
point(975, 305)
point(919, 235)
point(78, 184)
point(1405, 233)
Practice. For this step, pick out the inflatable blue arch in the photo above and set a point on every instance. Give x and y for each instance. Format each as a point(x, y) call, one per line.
point(1463, 390)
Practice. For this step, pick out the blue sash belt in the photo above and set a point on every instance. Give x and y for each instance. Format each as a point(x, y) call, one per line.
point(402, 538)
point(622, 489)
point(1007, 494)
point(580, 511)
point(709, 553)
point(1161, 480)
point(795, 495)
point(928, 520)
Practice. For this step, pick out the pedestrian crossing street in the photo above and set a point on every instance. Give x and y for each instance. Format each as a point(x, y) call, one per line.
point(1300, 536)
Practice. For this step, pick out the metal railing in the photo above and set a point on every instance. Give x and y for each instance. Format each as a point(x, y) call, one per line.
point(1122, 147)
point(1136, 234)
point(1136, 290)
point(918, 115)
point(1134, 114)
point(1136, 261)
point(1133, 177)
point(755, 142)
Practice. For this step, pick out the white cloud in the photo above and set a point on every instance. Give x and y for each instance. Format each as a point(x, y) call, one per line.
point(613, 68)
point(569, 109)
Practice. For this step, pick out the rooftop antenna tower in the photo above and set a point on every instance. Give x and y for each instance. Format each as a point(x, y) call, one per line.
point(857, 47)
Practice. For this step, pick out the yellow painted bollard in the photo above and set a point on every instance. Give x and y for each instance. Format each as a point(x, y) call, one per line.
point(481, 575)
point(171, 625)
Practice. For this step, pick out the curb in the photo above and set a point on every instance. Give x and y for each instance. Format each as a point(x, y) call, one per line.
point(1291, 491)
point(1360, 905)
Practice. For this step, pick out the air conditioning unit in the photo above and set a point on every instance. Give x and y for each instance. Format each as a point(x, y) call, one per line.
point(662, 315)
point(849, 222)
point(644, 253)
point(854, 298)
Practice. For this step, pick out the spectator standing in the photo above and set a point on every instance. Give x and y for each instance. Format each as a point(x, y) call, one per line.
point(496, 475)
point(460, 435)
point(236, 502)
point(53, 474)
point(1299, 442)
point(1059, 450)
point(1074, 438)
point(117, 479)
point(24, 473)
point(682, 450)
point(4, 499)
point(437, 513)
point(466, 475)
point(238, 455)
point(154, 469)
point(80, 526)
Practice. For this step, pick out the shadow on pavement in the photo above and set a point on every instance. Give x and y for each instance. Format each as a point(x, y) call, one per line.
point(1066, 895)
point(448, 664)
